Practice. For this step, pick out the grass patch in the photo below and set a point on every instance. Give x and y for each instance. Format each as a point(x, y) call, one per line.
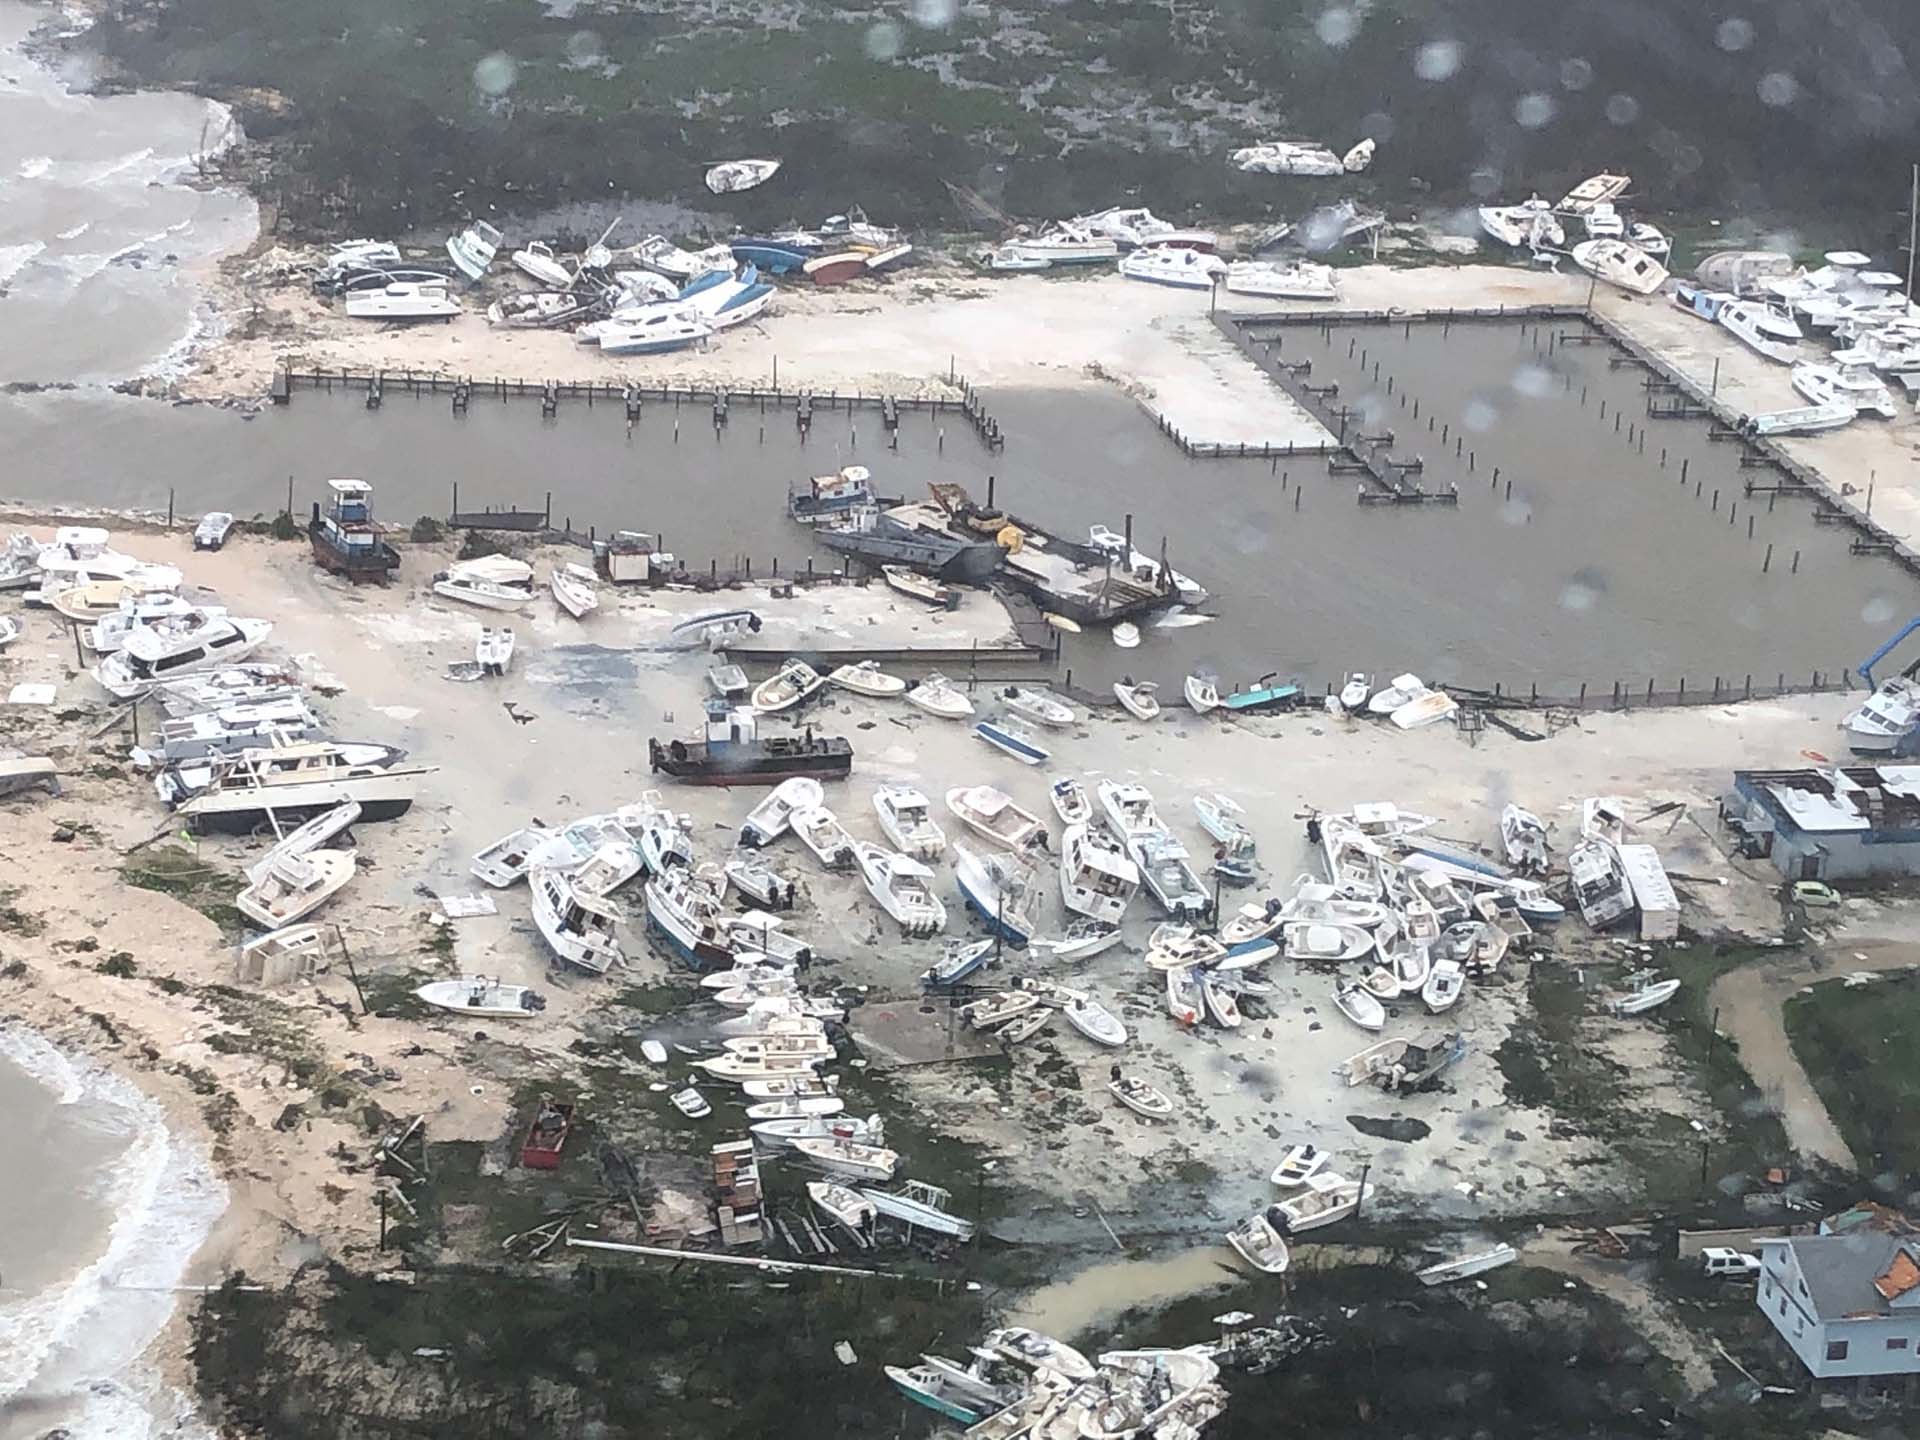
point(661, 999)
point(389, 995)
point(177, 871)
point(14, 920)
point(1858, 1045)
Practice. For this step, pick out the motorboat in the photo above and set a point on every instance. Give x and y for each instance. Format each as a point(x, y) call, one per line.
point(1265, 693)
point(1354, 693)
point(572, 594)
point(1143, 567)
point(1381, 983)
point(1037, 706)
point(493, 649)
point(726, 299)
point(937, 695)
point(1128, 808)
point(1767, 329)
point(1139, 1097)
point(1006, 259)
point(731, 176)
point(1532, 224)
point(1000, 890)
point(1887, 721)
point(150, 655)
point(820, 831)
point(1604, 817)
point(578, 927)
point(478, 997)
point(867, 678)
point(1185, 1001)
point(996, 1010)
point(1131, 227)
point(1025, 1027)
point(1082, 940)
point(712, 628)
point(906, 819)
point(1299, 1164)
point(1097, 879)
point(540, 310)
point(1358, 1004)
point(1524, 838)
point(1288, 157)
point(1203, 693)
point(1446, 979)
point(212, 531)
point(728, 682)
point(1221, 1006)
point(1219, 816)
point(1620, 264)
point(761, 884)
point(1700, 301)
point(916, 586)
point(403, 300)
point(652, 331)
point(292, 887)
point(1647, 997)
point(290, 781)
point(1465, 1267)
point(1599, 883)
point(1064, 245)
point(1012, 741)
point(795, 681)
point(902, 887)
point(1139, 699)
point(1175, 946)
point(537, 261)
point(161, 611)
point(663, 257)
point(831, 497)
point(1326, 1198)
point(1593, 193)
point(1603, 222)
point(1403, 691)
point(1167, 265)
point(473, 249)
point(476, 590)
point(691, 1103)
point(1324, 942)
point(1652, 239)
point(769, 819)
point(1854, 385)
point(836, 268)
point(738, 1068)
point(992, 813)
point(796, 1107)
point(1168, 877)
point(1095, 1021)
point(684, 910)
point(960, 960)
point(1069, 799)
point(1430, 707)
point(1259, 1243)
point(1299, 280)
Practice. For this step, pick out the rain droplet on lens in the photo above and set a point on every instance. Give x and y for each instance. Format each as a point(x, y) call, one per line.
point(1479, 416)
point(1533, 381)
point(1337, 26)
point(584, 49)
point(1777, 88)
point(884, 41)
point(494, 74)
point(1533, 110)
point(1575, 74)
point(1622, 109)
point(1878, 610)
point(1437, 60)
point(1516, 511)
point(1583, 590)
point(1733, 33)
point(934, 14)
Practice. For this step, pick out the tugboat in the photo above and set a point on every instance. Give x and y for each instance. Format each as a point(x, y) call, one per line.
point(346, 541)
point(732, 753)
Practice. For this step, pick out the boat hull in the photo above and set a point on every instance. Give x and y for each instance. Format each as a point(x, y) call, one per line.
point(693, 763)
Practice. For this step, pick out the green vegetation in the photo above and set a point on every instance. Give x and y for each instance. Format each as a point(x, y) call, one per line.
point(1858, 1045)
point(174, 869)
point(119, 965)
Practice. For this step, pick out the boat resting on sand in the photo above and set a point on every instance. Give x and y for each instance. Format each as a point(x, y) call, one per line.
point(1259, 1244)
point(1203, 693)
point(867, 678)
point(505, 862)
point(479, 997)
point(770, 819)
point(1009, 741)
point(992, 814)
point(902, 887)
point(1070, 800)
point(1353, 1000)
point(1299, 1164)
point(796, 681)
point(1139, 1097)
point(937, 695)
point(906, 819)
point(1138, 700)
point(1466, 1266)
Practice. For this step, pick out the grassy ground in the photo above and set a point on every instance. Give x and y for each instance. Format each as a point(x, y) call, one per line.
point(1858, 1046)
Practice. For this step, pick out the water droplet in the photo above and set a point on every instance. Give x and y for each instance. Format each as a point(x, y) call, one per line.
point(1534, 381)
point(1533, 110)
point(1479, 416)
point(1575, 74)
point(1377, 125)
point(884, 41)
point(1583, 590)
point(934, 14)
point(1515, 511)
point(584, 49)
point(1622, 109)
point(1878, 610)
point(494, 74)
point(1438, 60)
point(1337, 26)
point(1777, 88)
point(1733, 34)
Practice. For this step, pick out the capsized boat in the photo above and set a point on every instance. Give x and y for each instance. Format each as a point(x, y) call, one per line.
point(493, 649)
point(906, 819)
point(902, 886)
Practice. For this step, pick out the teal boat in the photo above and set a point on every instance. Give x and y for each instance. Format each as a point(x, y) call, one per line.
point(1268, 690)
point(926, 1386)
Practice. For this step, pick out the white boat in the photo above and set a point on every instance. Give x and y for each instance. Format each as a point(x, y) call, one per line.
point(1410, 963)
point(791, 1087)
point(769, 819)
point(1327, 1198)
point(1037, 706)
point(1403, 691)
point(291, 887)
point(848, 1157)
point(1185, 1002)
point(1288, 157)
point(1532, 224)
point(997, 1009)
point(820, 830)
point(867, 678)
point(1428, 708)
point(150, 656)
point(478, 997)
point(1182, 269)
point(1259, 1244)
point(1069, 799)
point(760, 883)
point(746, 972)
point(1888, 718)
point(579, 928)
point(795, 1107)
point(169, 614)
point(238, 791)
point(1767, 329)
point(473, 249)
point(1854, 385)
point(1135, 226)
point(1139, 699)
point(402, 300)
point(1139, 1097)
point(1025, 1027)
point(1000, 890)
point(1097, 879)
point(650, 330)
point(1651, 239)
point(1599, 883)
point(906, 819)
point(794, 682)
point(921, 1206)
point(1354, 693)
point(537, 260)
point(1095, 1021)
point(1381, 983)
point(1354, 1001)
point(1222, 1008)
point(573, 594)
point(916, 586)
point(1620, 264)
point(493, 650)
point(212, 531)
point(1593, 192)
point(1446, 979)
point(1647, 997)
point(662, 256)
point(1203, 693)
point(727, 681)
point(477, 590)
point(1128, 808)
point(1327, 942)
point(1167, 875)
point(743, 1068)
point(1801, 419)
point(691, 1103)
point(937, 695)
point(1174, 946)
point(1297, 280)
point(9, 630)
point(1063, 245)
point(1126, 635)
point(902, 887)
point(992, 813)
point(1082, 940)
point(959, 959)
point(713, 629)
point(1220, 817)
point(1467, 1266)
point(842, 1206)
point(730, 176)
point(306, 838)
point(1299, 1164)
point(1524, 838)
point(1603, 222)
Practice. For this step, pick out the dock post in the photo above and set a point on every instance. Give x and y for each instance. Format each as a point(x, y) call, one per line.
point(1767, 564)
point(289, 497)
point(169, 507)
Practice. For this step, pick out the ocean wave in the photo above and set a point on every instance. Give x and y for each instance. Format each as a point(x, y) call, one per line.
point(80, 1340)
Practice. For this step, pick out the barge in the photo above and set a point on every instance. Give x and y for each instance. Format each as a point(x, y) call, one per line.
point(733, 753)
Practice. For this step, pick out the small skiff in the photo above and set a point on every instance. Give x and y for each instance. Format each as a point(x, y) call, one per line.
point(795, 681)
point(1009, 741)
point(1445, 980)
point(1185, 1001)
point(1354, 693)
point(937, 696)
point(917, 586)
point(1140, 700)
point(1646, 998)
point(1095, 1021)
point(1299, 1164)
point(1038, 706)
point(1083, 940)
point(848, 1157)
point(1260, 1244)
point(475, 995)
point(1203, 693)
point(493, 651)
point(842, 1206)
point(729, 682)
point(995, 1010)
point(1222, 1008)
point(906, 818)
point(1025, 1027)
point(962, 958)
point(1353, 1001)
point(1381, 983)
point(691, 1103)
point(868, 679)
point(1465, 1266)
point(1070, 800)
point(1139, 1097)
point(1403, 691)
point(1326, 942)
point(573, 594)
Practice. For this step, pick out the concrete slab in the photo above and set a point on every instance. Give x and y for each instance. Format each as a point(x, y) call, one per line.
point(914, 1031)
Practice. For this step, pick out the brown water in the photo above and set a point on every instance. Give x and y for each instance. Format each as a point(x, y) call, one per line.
point(1598, 567)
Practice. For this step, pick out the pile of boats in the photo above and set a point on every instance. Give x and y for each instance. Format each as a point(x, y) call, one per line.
point(1625, 250)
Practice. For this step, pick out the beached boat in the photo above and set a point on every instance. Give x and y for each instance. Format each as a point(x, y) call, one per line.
point(867, 678)
point(742, 1068)
point(991, 813)
point(1299, 280)
point(1221, 1006)
point(1599, 883)
point(473, 249)
point(831, 497)
point(769, 819)
point(960, 959)
point(1169, 265)
point(847, 1157)
point(1012, 741)
point(906, 819)
point(732, 753)
point(940, 1393)
point(1887, 720)
point(151, 655)
point(478, 997)
point(691, 1103)
point(1001, 891)
point(577, 927)
point(1524, 838)
point(839, 1204)
point(1268, 692)
point(1381, 983)
point(820, 830)
point(1466, 1266)
point(1287, 157)
point(1446, 979)
point(914, 585)
point(1185, 1002)
point(684, 910)
point(1094, 1020)
point(292, 887)
point(284, 783)
point(1766, 329)
point(537, 261)
point(1854, 385)
point(902, 887)
point(648, 330)
point(1128, 808)
point(730, 176)
point(1648, 997)
point(471, 589)
point(1138, 1096)
point(937, 695)
point(1403, 690)
point(1069, 799)
point(401, 300)
point(1619, 263)
point(1139, 699)
point(1167, 874)
point(1203, 693)
point(1430, 707)
point(1097, 879)
point(796, 1107)
point(572, 594)
point(1327, 1198)
point(808, 1086)
point(493, 649)
point(760, 883)
point(1038, 706)
point(547, 1134)
point(1025, 1027)
point(1063, 245)
point(212, 531)
point(713, 629)
point(1219, 816)
point(1354, 1001)
point(996, 1010)
point(1082, 940)
point(795, 682)
point(1173, 946)
point(345, 538)
point(1259, 1244)
point(1531, 224)
point(836, 268)
point(728, 682)
point(1299, 1164)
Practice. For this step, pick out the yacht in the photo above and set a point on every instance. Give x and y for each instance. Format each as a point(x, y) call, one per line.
point(1301, 280)
point(1768, 329)
point(1066, 245)
point(1855, 385)
point(151, 656)
point(1167, 265)
point(403, 300)
point(1096, 877)
point(652, 331)
point(1531, 224)
point(289, 781)
point(1621, 264)
point(1883, 725)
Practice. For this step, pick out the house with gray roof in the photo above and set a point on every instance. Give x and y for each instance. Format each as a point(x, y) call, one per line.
point(1848, 1304)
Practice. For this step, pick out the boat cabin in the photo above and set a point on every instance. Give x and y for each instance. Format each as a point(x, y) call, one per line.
point(846, 490)
point(346, 540)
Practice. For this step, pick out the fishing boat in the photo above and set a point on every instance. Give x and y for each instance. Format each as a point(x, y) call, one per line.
point(291, 887)
point(839, 1204)
point(1037, 706)
point(1001, 891)
point(807, 1086)
point(960, 960)
point(1648, 997)
point(1169, 265)
point(995, 1010)
point(769, 820)
point(473, 249)
point(1010, 741)
point(547, 1134)
point(1167, 874)
point(795, 682)
point(1327, 1198)
point(1185, 1002)
point(741, 1068)
point(659, 834)
point(728, 682)
point(1069, 799)
point(1446, 979)
point(572, 594)
point(1299, 280)
point(1025, 1027)
point(1259, 1244)
point(761, 884)
point(1767, 329)
point(345, 539)
point(150, 655)
point(867, 678)
point(1221, 1006)
point(992, 813)
point(730, 176)
point(1299, 1164)
point(906, 819)
point(1620, 264)
point(1220, 817)
point(1466, 1266)
point(831, 497)
point(1267, 692)
point(848, 1157)
point(1203, 693)
point(1097, 879)
point(493, 649)
point(796, 1107)
point(578, 927)
point(1139, 1097)
point(1854, 385)
point(820, 830)
point(1353, 1000)
point(734, 754)
point(1095, 1021)
point(921, 1206)
point(1138, 699)
point(1381, 983)
point(937, 696)
point(479, 997)
point(1083, 939)
point(1599, 883)
point(400, 300)
point(916, 586)
point(938, 1392)
point(902, 887)
point(713, 629)
point(1128, 807)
